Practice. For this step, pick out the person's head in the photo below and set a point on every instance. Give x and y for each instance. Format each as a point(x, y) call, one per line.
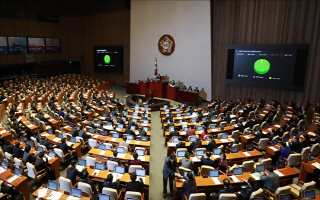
point(226, 182)
point(109, 178)
point(180, 139)
point(269, 170)
point(7, 142)
point(172, 156)
point(187, 155)
point(208, 154)
point(63, 140)
point(85, 174)
point(73, 162)
point(43, 138)
point(209, 137)
point(135, 155)
point(251, 182)
point(306, 136)
point(222, 156)
point(17, 144)
point(283, 144)
point(27, 148)
point(115, 153)
point(41, 154)
point(133, 176)
point(124, 138)
point(190, 176)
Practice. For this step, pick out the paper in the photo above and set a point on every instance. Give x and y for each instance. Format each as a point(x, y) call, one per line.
point(216, 156)
point(42, 192)
point(311, 133)
point(182, 133)
point(95, 136)
point(30, 125)
point(102, 152)
point(142, 177)
point(224, 140)
point(255, 176)
point(275, 149)
point(72, 198)
point(277, 125)
point(248, 137)
point(195, 159)
point(116, 176)
point(137, 142)
point(316, 164)
point(246, 153)
point(96, 172)
point(2, 170)
point(216, 180)
point(19, 119)
point(70, 143)
point(121, 155)
point(214, 129)
point(277, 172)
point(79, 168)
point(142, 158)
point(45, 134)
point(235, 179)
point(2, 132)
point(286, 119)
point(12, 178)
point(289, 115)
point(56, 139)
point(113, 139)
point(231, 139)
point(54, 195)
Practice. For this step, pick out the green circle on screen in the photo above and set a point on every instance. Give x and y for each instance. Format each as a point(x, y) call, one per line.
point(107, 59)
point(262, 66)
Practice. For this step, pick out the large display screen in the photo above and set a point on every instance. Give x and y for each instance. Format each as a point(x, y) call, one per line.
point(108, 58)
point(269, 66)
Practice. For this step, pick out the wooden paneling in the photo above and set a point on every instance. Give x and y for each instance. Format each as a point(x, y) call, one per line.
point(265, 22)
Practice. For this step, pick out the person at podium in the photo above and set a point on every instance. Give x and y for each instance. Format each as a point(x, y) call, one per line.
point(190, 89)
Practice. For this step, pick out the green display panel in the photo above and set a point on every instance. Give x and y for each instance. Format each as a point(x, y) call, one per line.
point(262, 66)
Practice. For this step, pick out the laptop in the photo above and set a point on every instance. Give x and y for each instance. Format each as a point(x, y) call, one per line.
point(146, 129)
point(280, 164)
point(60, 135)
point(179, 115)
point(103, 196)
point(214, 173)
point(120, 126)
point(171, 129)
point(73, 140)
point(82, 162)
point(274, 142)
point(21, 139)
point(309, 194)
point(145, 121)
point(188, 114)
point(224, 136)
point(17, 171)
point(212, 126)
point(260, 168)
point(115, 135)
point(311, 157)
point(140, 152)
point(234, 150)
point(285, 197)
point(52, 185)
point(135, 114)
point(30, 143)
point(141, 172)
point(200, 128)
point(102, 147)
point(52, 154)
point(204, 119)
point(99, 166)
point(186, 172)
point(50, 131)
point(181, 153)
point(175, 139)
point(133, 128)
point(91, 130)
point(165, 106)
point(217, 151)
point(39, 148)
point(144, 138)
point(237, 171)
point(120, 149)
point(185, 129)
point(129, 137)
point(200, 152)
point(76, 192)
point(192, 138)
point(193, 120)
point(249, 147)
point(120, 169)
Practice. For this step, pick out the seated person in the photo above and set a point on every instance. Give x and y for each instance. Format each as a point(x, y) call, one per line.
point(64, 146)
point(72, 173)
point(135, 160)
point(41, 162)
point(114, 158)
point(189, 185)
point(196, 144)
point(110, 184)
point(124, 143)
point(8, 147)
point(186, 162)
point(246, 193)
point(222, 163)
point(285, 151)
point(212, 144)
point(17, 151)
point(227, 189)
point(27, 156)
point(205, 160)
point(85, 179)
point(295, 144)
point(142, 132)
point(180, 144)
point(174, 132)
point(135, 185)
point(45, 143)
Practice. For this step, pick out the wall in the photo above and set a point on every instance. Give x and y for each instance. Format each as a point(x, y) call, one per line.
point(265, 22)
point(188, 22)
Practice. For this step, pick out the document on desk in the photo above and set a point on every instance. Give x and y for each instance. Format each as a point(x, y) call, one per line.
point(45, 134)
point(79, 168)
point(235, 179)
point(274, 149)
point(277, 172)
point(56, 139)
point(42, 192)
point(12, 178)
point(121, 155)
point(70, 143)
point(312, 133)
point(214, 129)
point(195, 159)
point(96, 172)
point(277, 125)
point(55, 195)
point(113, 139)
point(72, 198)
point(137, 142)
point(95, 136)
point(171, 144)
point(102, 153)
point(19, 119)
point(2, 170)
point(316, 164)
point(246, 153)
point(248, 137)
point(224, 140)
point(231, 139)
point(142, 158)
point(116, 176)
point(256, 176)
point(216, 156)
point(2, 132)
point(216, 180)
point(182, 132)
point(30, 125)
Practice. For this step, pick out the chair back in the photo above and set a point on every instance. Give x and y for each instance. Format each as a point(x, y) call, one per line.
point(247, 166)
point(294, 159)
point(133, 168)
point(263, 125)
point(266, 162)
point(86, 188)
point(235, 135)
point(31, 170)
point(315, 149)
point(111, 165)
point(60, 154)
point(91, 161)
point(65, 184)
point(205, 170)
point(18, 163)
point(108, 146)
point(80, 140)
point(282, 190)
point(263, 142)
point(197, 196)
point(35, 142)
point(43, 147)
point(92, 143)
point(257, 193)
point(228, 196)
point(133, 195)
point(183, 169)
point(113, 193)
point(305, 153)
point(307, 186)
point(255, 127)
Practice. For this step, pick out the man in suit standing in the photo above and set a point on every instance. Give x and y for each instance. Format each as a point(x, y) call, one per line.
point(169, 171)
point(227, 189)
point(271, 179)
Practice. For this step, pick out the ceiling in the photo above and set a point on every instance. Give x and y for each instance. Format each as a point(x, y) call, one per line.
point(65, 8)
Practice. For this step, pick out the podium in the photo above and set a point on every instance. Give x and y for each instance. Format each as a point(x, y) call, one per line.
point(159, 88)
point(191, 98)
point(143, 87)
point(172, 93)
point(132, 88)
point(150, 93)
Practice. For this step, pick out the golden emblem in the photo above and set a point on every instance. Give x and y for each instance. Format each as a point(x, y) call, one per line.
point(166, 45)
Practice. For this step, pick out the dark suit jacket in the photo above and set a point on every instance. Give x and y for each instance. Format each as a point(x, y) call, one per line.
point(169, 167)
point(207, 161)
point(71, 174)
point(224, 190)
point(296, 146)
point(196, 144)
point(246, 193)
point(90, 182)
point(8, 148)
point(135, 186)
point(180, 145)
point(113, 185)
point(306, 143)
point(64, 147)
point(17, 152)
point(190, 187)
point(271, 181)
point(174, 133)
point(212, 145)
point(40, 164)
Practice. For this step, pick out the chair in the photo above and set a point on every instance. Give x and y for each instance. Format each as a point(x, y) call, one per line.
point(278, 192)
point(247, 166)
point(33, 174)
point(82, 143)
point(133, 168)
point(228, 196)
point(108, 146)
point(86, 188)
point(266, 162)
point(1, 153)
point(299, 191)
point(293, 159)
point(256, 127)
point(91, 161)
point(195, 196)
point(35, 142)
point(19, 164)
point(264, 125)
point(305, 153)
point(235, 135)
point(9, 159)
point(263, 142)
point(223, 124)
point(204, 170)
point(113, 193)
point(60, 154)
point(256, 194)
point(134, 195)
point(285, 134)
point(65, 184)
point(183, 169)
point(315, 149)
point(111, 165)
point(43, 147)
point(92, 143)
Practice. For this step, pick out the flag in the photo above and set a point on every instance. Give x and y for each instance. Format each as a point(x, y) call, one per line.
point(155, 68)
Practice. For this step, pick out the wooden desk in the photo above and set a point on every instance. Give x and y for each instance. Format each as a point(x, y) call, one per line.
point(20, 183)
point(271, 152)
point(306, 168)
point(246, 139)
point(28, 124)
point(63, 196)
point(239, 157)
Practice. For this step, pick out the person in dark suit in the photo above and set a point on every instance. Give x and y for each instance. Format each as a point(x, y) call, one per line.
point(142, 132)
point(110, 184)
point(239, 126)
point(8, 147)
point(41, 162)
point(180, 144)
point(64, 146)
point(174, 132)
point(205, 160)
point(272, 135)
point(135, 185)
point(212, 144)
point(257, 135)
point(169, 171)
point(296, 145)
point(307, 142)
point(271, 179)
point(45, 143)
point(189, 185)
point(85, 179)
point(17, 151)
point(227, 189)
point(129, 131)
point(196, 144)
point(246, 193)
point(285, 151)
point(114, 158)
point(27, 156)
point(83, 134)
point(317, 107)
point(72, 172)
